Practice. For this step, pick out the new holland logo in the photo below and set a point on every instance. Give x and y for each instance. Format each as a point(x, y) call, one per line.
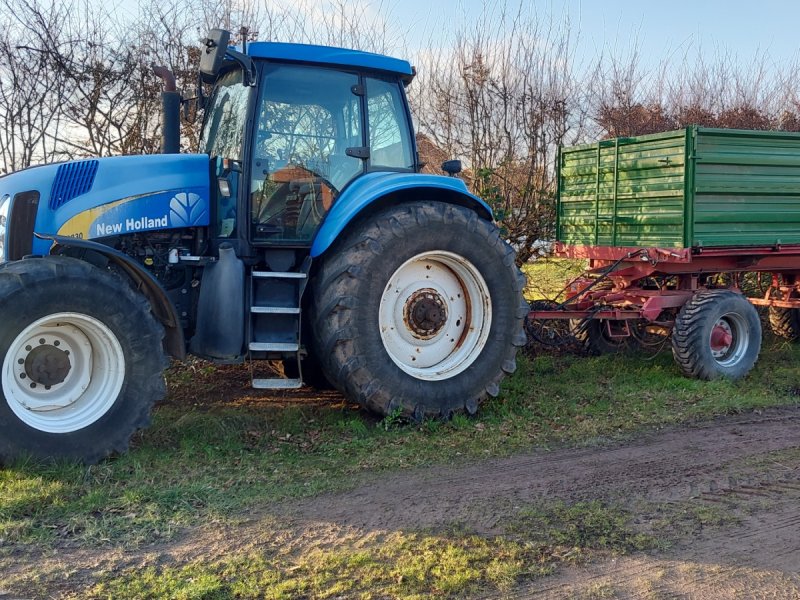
point(103, 229)
point(186, 210)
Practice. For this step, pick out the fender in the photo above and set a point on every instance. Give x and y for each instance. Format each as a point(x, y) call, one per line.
point(376, 189)
point(163, 309)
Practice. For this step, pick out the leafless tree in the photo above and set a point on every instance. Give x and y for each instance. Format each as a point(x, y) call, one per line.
point(31, 86)
point(504, 98)
point(501, 93)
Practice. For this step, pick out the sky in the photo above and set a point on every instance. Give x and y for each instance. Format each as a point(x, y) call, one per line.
point(660, 30)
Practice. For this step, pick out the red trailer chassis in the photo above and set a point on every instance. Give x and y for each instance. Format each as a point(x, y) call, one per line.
point(626, 290)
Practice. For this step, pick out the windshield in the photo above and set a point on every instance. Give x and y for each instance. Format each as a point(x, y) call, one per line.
point(226, 114)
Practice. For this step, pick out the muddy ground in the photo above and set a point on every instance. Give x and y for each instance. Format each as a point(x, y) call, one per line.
point(746, 467)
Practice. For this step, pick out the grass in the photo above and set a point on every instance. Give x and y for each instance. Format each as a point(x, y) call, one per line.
point(401, 565)
point(547, 277)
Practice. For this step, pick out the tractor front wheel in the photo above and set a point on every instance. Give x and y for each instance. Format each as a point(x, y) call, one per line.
point(81, 358)
point(420, 310)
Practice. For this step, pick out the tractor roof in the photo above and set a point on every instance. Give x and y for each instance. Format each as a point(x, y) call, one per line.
point(306, 53)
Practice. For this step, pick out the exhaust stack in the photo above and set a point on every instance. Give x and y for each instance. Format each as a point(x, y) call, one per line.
point(170, 112)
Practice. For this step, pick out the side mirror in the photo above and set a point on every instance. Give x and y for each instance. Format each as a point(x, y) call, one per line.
point(213, 53)
point(452, 167)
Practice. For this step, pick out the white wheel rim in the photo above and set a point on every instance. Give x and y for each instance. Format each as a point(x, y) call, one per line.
point(435, 315)
point(81, 360)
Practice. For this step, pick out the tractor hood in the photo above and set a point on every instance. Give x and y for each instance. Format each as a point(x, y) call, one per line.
point(101, 197)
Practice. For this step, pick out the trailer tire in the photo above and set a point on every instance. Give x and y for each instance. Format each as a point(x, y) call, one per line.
point(717, 334)
point(592, 335)
point(390, 292)
point(785, 322)
point(82, 361)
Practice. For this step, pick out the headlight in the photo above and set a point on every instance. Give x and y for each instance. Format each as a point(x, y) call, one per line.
point(5, 202)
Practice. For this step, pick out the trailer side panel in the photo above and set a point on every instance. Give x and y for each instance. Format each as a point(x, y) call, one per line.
point(624, 192)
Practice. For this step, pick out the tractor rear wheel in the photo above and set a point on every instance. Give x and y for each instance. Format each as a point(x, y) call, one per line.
point(717, 334)
point(785, 322)
point(82, 360)
point(419, 311)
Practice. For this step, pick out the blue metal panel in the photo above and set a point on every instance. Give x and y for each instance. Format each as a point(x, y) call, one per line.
point(73, 179)
point(154, 186)
point(373, 186)
point(307, 53)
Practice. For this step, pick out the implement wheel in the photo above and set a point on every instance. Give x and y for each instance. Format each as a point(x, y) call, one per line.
point(595, 338)
point(82, 360)
point(785, 322)
point(717, 334)
point(419, 310)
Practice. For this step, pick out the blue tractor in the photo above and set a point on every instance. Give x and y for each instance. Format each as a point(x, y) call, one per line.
point(302, 232)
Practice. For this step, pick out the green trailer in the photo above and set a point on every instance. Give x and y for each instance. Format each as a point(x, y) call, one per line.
point(671, 225)
point(690, 188)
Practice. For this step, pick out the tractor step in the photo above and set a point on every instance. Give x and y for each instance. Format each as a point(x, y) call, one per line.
point(279, 274)
point(275, 324)
point(273, 347)
point(277, 384)
point(275, 310)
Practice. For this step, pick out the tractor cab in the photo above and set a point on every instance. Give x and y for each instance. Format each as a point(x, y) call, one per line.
point(321, 118)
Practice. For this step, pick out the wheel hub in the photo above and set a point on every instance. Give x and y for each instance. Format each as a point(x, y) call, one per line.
point(425, 313)
point(721, 338)
point(47, 365)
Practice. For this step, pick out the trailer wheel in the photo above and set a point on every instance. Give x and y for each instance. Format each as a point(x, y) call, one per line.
point(785, 322)
point(419, 310)
point(82, 360)
point(594, 337)
point(717, 334)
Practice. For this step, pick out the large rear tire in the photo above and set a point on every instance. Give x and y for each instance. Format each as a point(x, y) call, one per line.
point(419, 311)
point(82, 360)
point(717, 334)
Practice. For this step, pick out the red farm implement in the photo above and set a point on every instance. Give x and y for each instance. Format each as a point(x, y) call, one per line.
point(674, 226)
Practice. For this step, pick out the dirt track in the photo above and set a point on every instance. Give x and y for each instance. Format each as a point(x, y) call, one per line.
point(748, 465)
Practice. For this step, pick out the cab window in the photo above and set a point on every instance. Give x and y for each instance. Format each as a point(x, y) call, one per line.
point(306, 119)
point(389, 131)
